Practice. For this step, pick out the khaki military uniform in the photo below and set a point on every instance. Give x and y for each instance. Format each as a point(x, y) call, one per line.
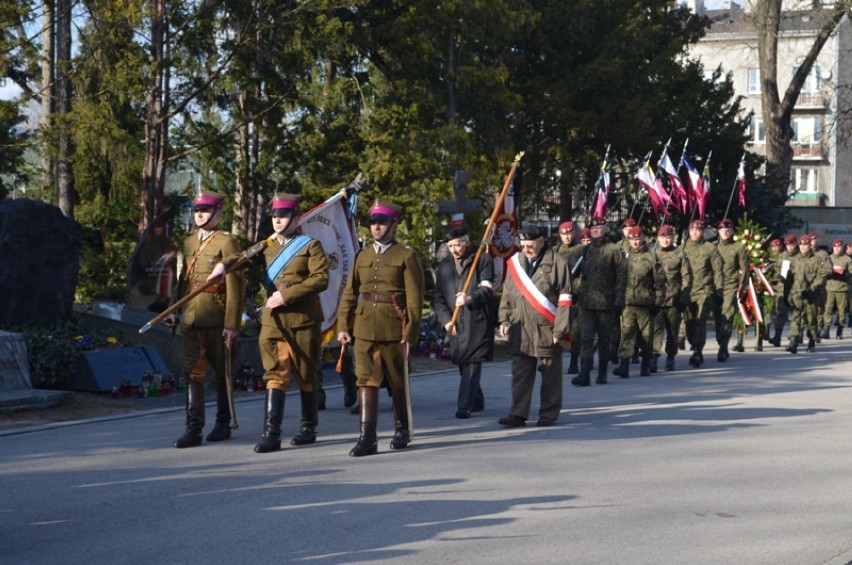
point(219, 308)
point(290, 335)
point(531, 336)
point(367, 312)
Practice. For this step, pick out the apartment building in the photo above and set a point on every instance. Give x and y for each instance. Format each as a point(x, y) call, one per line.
point(822, 162)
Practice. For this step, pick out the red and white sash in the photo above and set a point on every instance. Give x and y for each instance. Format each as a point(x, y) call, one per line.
point(532, 294)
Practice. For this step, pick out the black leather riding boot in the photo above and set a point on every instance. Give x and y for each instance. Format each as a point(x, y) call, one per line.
point(310, 418)
point(273, 415)
point(401, 437)
point(194, 416)
point(222, 430)
point(623, 369)
point(368, 399)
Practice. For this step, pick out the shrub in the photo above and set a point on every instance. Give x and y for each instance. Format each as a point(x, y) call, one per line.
point(53, 350)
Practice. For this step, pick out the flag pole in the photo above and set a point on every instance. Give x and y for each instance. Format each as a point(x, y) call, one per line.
point(731, 197)
point(486, 236)
point(601, 178)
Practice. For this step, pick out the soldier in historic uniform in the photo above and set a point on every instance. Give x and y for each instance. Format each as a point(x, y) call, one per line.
point(381, 309)
point(837, 289)
point(295, 270)
point(535, 316)
point(808, 273)
point(471, 337)
point(572, 250)
point(706, 265)
point(210, 322)
point(600, 302)
point(678, 284)
point(643, 297)
point(735, 266)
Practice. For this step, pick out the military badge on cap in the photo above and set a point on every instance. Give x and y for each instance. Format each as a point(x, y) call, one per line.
point(566, 227)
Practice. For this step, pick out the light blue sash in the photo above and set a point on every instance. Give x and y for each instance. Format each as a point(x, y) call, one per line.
point(290, 249)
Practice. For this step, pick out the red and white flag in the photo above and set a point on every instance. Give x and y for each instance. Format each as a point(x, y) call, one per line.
point(659, 199)
point(741, 183)
point(679, 198)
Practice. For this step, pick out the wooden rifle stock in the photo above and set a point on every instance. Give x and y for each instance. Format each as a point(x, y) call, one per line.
point(247, 255)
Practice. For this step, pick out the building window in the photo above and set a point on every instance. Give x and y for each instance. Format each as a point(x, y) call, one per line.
point(813, 83)
point(754, 81)
point(756, 130)
point(804, 180)
point(806, 130)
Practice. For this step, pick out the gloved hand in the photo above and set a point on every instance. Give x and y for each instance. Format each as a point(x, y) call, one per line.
point(718, 296)
point(617, 309)
point(807, 294)
point(681, 305)
point(654, 310)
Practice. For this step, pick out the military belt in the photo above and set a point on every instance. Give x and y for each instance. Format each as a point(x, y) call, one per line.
point(370, 297)
point(214, 289)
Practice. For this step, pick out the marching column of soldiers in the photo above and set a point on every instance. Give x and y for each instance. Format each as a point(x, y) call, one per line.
point(628, 300)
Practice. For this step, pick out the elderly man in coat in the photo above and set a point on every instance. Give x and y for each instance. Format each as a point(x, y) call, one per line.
point(471, 336)
point(534, 315)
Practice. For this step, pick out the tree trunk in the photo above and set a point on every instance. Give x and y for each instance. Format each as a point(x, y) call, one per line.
point(48, 171)
point(156, 121)
point(64, 173)
point(777, 111)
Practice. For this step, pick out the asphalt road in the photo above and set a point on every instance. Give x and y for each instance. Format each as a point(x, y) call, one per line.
point(746, 462)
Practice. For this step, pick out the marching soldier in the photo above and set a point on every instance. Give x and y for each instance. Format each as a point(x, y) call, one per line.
point(643, 296)
point(295, 273)
point(600, 304)
point(210, 322)
point(572, 251)
point(381, 308)
point(837, 288)
point(678, 283)
point(808, 273)
point(735, 266)
point(706, 265)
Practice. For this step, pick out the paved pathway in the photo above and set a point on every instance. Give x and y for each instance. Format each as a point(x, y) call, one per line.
point(746, 462)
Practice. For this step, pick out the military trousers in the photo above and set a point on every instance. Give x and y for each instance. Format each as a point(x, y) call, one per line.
point(637, 329)
point(724, 313)
point(204, 348)
point(804, 317)
point(282, 358)
point(600, 323)
point(668, 321)
point(836, 300)
point(696, 317)
point(377, 360)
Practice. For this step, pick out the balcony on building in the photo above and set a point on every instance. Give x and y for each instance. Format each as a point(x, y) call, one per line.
point(808, 151)
point(811, 101)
